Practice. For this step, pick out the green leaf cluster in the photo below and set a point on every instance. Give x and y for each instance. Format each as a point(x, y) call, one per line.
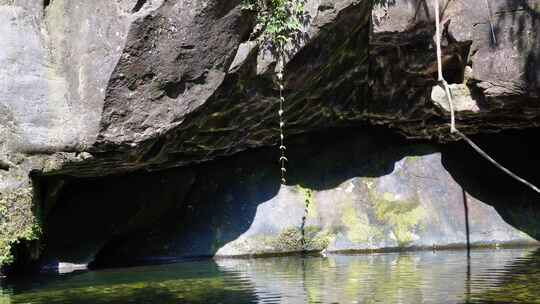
point(278, 21)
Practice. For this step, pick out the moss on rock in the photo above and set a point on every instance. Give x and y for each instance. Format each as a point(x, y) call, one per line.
point(309, 201)
point(17, 221)
point(291, 240)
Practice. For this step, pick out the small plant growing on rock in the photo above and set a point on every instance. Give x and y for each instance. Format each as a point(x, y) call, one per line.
point(277, 21)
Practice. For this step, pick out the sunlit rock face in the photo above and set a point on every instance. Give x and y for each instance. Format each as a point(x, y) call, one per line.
point(418, 204)
point(349, 190)
point(96, 88)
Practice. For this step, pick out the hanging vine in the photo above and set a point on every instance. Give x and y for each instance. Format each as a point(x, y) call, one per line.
point(278, 23)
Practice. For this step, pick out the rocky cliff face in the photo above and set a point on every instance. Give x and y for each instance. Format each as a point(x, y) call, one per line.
point(96, 88)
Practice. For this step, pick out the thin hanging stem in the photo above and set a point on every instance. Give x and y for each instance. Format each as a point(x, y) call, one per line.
point(282, 148)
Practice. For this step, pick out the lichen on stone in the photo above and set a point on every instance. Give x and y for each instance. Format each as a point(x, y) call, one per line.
point(358, 228)
point(402, 216)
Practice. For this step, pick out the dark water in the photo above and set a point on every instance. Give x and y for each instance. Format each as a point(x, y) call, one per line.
point(489, 276)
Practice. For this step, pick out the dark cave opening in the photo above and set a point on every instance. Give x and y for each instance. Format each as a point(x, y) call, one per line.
point(155, 217)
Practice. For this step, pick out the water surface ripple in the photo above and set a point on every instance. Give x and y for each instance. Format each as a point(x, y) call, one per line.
point(487, 276)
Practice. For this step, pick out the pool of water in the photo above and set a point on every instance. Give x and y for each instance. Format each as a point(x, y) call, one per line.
point(487, 276)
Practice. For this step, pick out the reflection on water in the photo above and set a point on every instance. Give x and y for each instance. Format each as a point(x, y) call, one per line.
point(491, 276)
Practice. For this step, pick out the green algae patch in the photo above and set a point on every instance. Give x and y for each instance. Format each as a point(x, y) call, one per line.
point(17, 222)
point(291, 239)
point(358, 229)
point(168, 291)
point(402, 216)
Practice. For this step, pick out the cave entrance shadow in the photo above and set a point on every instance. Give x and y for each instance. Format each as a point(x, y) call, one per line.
point(325, 160)
point(193, 211)
point(517, 204)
